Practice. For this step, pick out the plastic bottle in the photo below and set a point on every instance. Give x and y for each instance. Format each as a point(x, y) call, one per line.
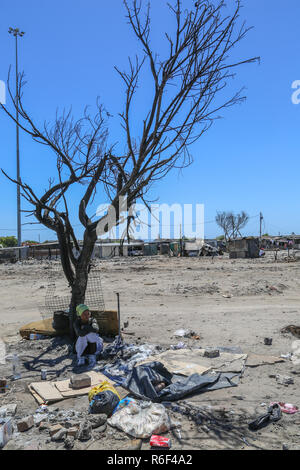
point(14, 358)
point(16, 367)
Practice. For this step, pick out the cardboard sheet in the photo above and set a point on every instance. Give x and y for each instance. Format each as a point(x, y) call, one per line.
point(51, 392)
point(41, 327)
point(255, 360)
point(191, 361)
point(46, 391)
point(67, 391)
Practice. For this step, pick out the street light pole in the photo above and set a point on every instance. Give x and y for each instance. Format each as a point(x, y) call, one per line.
point(17, 33)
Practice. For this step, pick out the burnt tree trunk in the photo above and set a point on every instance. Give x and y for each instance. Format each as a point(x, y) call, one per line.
point(82, 268)
point(76, 269)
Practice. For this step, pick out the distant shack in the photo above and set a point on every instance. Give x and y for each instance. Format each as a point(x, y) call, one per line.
point(247, 247)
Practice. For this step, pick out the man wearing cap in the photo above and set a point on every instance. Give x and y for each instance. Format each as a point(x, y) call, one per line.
point(89, 342)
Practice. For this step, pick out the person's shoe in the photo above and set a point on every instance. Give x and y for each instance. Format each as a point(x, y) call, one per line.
point(92, 360)
point(81, 361)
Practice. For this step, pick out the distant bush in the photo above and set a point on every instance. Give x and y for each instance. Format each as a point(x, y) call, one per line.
point(8, 242)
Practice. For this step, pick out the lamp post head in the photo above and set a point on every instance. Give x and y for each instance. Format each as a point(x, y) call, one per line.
point(16, 32)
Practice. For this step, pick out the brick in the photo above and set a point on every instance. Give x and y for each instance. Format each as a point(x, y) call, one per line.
point(80, 381)
point(59, 435)
point(211, 353)
point(44, 425)
point(3, 384)
point(54, 429)
point(72, 432)
point(25, 424)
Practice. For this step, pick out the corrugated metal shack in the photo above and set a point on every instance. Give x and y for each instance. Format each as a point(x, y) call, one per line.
point(150, 249)
point(193, 248)
point(11, 255)
point(44, 251)
point(247, 247)
point(110, 250)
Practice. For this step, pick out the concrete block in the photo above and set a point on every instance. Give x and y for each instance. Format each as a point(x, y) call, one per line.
point(80, 381)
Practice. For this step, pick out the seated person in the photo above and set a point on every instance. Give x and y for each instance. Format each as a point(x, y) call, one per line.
point(88, 343)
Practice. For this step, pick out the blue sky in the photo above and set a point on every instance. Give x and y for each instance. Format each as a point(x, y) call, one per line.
point(248, 160)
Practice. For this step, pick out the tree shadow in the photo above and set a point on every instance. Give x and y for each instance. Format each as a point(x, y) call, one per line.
point(226, 430)
point(36, 363)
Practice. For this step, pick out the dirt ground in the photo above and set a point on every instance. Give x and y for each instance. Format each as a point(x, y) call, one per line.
point(228, 303)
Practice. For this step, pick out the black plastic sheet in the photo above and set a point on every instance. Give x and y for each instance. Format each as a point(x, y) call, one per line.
point(143, 380)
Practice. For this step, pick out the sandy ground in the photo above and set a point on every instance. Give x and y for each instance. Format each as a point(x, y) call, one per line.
point(226, 302)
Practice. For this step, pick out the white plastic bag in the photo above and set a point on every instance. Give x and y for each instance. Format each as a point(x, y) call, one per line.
point(141, 420)
point(296, 352)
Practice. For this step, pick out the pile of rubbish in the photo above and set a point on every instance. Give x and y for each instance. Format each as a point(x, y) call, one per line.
point(137, 390)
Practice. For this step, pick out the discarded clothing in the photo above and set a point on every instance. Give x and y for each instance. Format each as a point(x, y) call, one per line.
point(287, 408)
point(129, 355)
point(113, 348)
point(273, 415)
point(143, 380)
point(117, 373)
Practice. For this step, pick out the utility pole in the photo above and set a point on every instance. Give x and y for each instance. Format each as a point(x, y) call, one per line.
point(181, 244)
point(17, 33)
point(260, 223)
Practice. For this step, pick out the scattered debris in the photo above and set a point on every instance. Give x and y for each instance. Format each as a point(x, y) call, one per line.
point(85, 431)
point(141, 419)
point(211, 353)
point(59, 435)
point(97, 420)
point(126, 401)
point(182, 333)
point(160, 441)
point(55, 429)
point(103, 399)
point(25, 423)
point(296, 352)
point(273, 415)
point(268, 341)
point(293, 329)
point(3, 385)
point(287, 408)
point(134, 444)
point(8, 410)
point(69, 442)
point(180, 345)
point(6, 431)
point(286, 356)
point(284, 380)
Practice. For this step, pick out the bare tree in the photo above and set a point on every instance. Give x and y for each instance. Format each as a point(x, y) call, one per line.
point(239, 222)
point(223, 220)
point(186, 85)
point(231, 224)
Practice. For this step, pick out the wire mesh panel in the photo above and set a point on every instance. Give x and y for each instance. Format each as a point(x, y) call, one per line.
point(58, 292)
